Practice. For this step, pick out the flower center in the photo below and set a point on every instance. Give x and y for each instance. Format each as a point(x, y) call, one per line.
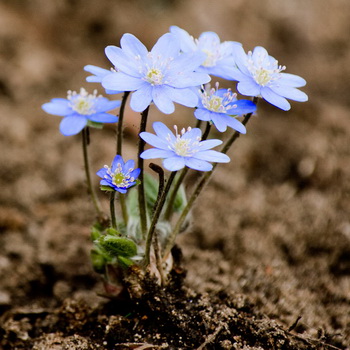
point(215, 103)
point(119, 178)
point(82, 103)
point(154, 76)
point(211, 58)
point(184, 147)
point(264, 70)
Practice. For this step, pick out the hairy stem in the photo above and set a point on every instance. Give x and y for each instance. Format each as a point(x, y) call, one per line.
point(140, 187)
point(95, 201)
point(156, 216)
point(120, 123)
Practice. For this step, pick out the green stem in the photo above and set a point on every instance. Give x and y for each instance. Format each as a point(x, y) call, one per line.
point(95, 201)
point(169, 211)
point(156, 216)
point(124, 208)
point(112, 208)
point(203, 181)
point(140, 187)
point(120, 123)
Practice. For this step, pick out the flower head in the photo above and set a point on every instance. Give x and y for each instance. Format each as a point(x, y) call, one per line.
point(260, 75)
point(162, 76)
point(219, 56)
point(120, 176)
point(81, 109)
point(182, 149)
point(219, 106)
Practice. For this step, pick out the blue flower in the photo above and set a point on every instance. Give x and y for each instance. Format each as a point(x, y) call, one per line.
point(120, 176)
point(260, 75)
point(162, 76)
point(219, 106)
point(219, 58)
point(180, 150)
point(80, 110)
point(98, 74)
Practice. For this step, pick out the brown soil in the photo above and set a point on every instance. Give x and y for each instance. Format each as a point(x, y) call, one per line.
point(266, 262)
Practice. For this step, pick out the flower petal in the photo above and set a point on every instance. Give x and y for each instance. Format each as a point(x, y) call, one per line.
point(242, 107)
point(105, 105)
point(248, 88)
point(133, 46)
point(103, 118)
point(162, 101)
point(275, 99)
point(212, 156)
point(102, 172)
point(72, 125)
point(57, 108)
point(292, 80)
point(185, 97)
point(203, 114)
point(219, 121)
point(163, 131)
point(174, 163)
point(118, 159)
point(122, 61)
point(141, 98)
point(154, 140)
point(130, 164)
point(187, 42)
point(198, 164)
point(167, 45)
point(207, 144)
point(189, 79)
point(290, 92)
point(154, 153)
point(235, 124)
point(121, 82)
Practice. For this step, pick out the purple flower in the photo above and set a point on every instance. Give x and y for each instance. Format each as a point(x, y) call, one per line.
point(219, 57)
point(220, 106)
point(162, 76)
point(180, 150)
point(120, 176)
point(260, 75)
point(81, 109)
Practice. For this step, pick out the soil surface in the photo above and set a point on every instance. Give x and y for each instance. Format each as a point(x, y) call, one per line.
point(266, 261)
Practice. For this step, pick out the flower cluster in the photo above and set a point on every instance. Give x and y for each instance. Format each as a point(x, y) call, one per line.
point(178, 69)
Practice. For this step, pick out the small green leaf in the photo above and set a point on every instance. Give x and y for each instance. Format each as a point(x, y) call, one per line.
point(118, 246)
point(125, 262)
point(113, 232)
point(107, 188)
point(94, 124)
point(180, 199)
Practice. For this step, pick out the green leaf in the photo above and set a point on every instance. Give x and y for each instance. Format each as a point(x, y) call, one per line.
point(151, 190)
point(107, 188)
point(118, 246)
point(94, 124)
point(98, 261)
point(125, 262)
point(180, 199)
point(113, 232)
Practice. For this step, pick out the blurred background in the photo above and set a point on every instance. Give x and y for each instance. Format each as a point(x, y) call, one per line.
point(273, 225)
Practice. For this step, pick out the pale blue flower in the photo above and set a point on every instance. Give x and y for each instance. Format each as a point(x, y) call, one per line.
point(80, 109)
point(98, 74)
point(259, 74)
point(120, 176)
point(219, 56)
point(162, 76)
point(220, 106)
point(182, 149)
